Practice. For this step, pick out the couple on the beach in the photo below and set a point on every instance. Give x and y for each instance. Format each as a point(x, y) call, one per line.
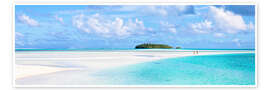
point(195, 52)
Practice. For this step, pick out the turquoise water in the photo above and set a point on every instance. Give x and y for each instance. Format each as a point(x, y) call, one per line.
point(227, 69)
point(213, 49)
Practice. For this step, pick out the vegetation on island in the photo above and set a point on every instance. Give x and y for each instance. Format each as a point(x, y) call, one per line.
point(150, 46)
point(177, 47)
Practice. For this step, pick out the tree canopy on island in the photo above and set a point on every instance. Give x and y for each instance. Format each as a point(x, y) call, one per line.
point(149, 46)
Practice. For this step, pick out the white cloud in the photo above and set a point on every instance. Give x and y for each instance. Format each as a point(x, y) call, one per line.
point(181, 8)
point(219, 35)
point(202, 27)
point(106, 27)
point(18, 35)
point(27, 20)
point(72, 11)
point(60, 19)
point(251, 26)
point(227, 20)
point(173, 30)
point(78, 22)
point(157, 10)
point(18, 38)
point(220, 21)
point(237, 41)
point(168, 26)
point(169, 10)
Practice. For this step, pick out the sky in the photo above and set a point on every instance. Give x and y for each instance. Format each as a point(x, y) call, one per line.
point(125, 26)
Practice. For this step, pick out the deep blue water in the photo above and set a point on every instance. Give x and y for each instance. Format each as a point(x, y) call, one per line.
point(227, 69)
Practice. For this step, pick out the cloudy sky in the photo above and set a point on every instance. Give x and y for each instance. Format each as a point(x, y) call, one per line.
point(119, 27)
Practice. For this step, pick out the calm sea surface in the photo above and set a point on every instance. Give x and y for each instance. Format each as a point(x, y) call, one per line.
point(227, 69)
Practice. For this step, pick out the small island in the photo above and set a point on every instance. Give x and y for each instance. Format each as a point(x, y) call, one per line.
point(151, 46)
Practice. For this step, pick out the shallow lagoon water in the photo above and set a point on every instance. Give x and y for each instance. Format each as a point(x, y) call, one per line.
point(220, 69)
point(226, 69)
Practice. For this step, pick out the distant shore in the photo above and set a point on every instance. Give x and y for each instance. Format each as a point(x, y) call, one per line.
point(131, 49)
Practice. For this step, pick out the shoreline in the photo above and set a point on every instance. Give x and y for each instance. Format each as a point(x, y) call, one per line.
point(40, 63)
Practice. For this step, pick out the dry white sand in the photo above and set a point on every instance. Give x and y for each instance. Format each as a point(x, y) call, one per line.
point(31, 63)
point(29, 70)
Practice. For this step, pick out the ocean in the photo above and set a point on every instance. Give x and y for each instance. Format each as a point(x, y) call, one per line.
point(226, 69)
point(211, 69)
point(125, 49)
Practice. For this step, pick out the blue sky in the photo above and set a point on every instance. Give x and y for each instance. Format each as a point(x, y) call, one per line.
point(118, 26)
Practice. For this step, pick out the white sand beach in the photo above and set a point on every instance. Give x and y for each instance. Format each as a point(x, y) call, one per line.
point(29, 70)
point(34, 63)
